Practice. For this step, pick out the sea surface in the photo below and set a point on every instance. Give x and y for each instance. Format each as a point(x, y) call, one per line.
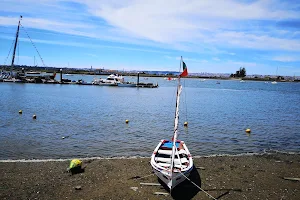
point(89, 121)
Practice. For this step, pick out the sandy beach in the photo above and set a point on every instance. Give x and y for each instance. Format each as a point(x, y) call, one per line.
point(223, 177)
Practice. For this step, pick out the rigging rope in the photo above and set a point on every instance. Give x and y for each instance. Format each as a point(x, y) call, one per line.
point(9, 52)
point(33, 45)
point(18, 51)
point(185, 102)
point(210, 196)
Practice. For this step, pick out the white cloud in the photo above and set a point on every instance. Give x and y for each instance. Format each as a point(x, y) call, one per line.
point(264, 42)
point(92, 55)
point(286, 58)
point(204, 27)
point(85, 45)
point(242, 64)
point(187, 24)
point(216, 59)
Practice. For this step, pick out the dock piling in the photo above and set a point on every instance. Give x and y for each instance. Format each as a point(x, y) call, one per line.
point(60, 75)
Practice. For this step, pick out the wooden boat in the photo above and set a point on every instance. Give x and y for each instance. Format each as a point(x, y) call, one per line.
point(171, 160)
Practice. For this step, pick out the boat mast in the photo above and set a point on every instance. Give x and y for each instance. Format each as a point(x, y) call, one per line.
point(176, 123)
point(177, 108)
point(15, 47)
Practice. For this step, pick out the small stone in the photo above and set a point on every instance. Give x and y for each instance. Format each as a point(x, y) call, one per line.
point(134, 188)
point(78, 187)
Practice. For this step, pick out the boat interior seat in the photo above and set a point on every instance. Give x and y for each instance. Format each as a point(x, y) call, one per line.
point(168, 160)
point(168, 165)
point(169, 152)
point(169, 144)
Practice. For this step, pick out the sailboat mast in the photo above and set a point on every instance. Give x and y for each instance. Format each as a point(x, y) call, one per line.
point(176, 123)
point(15, 47)
point(177, 107)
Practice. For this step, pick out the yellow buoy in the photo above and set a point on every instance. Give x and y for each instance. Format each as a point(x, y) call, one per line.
point(248, 130)
point(20, 111)
point(33, 116)
point(185, 124)
point(127, 121)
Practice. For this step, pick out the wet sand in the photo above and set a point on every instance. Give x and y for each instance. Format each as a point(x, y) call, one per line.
point(226, 177)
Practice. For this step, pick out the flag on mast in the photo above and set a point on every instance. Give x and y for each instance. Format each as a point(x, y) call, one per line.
point(185, 71)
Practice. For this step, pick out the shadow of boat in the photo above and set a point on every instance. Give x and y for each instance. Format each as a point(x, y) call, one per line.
point(186, 189)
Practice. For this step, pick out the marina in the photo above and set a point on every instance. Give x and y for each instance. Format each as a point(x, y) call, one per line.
point(49, 78)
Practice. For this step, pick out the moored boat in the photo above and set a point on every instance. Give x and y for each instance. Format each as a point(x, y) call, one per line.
point(111, 80)
point(127, 84)
point(13, 80)
point(171, 160)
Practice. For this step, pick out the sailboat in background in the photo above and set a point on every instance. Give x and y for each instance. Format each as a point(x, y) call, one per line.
point(27, 77)
point(12, 76)
point(171, 160)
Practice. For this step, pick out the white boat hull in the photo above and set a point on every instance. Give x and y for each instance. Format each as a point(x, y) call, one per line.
point(174, 181)
point(126, 84)
point(108, 84)
point(162, 165)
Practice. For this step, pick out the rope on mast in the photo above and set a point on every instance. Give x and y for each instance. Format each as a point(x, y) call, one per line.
point(185, 102)
point(33, 45)
point(18, 51)
point(12, 44)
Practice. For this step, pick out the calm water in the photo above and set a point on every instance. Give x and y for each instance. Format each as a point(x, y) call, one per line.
point(92, 118)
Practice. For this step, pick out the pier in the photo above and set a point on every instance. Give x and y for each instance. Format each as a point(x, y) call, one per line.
point(49, 78)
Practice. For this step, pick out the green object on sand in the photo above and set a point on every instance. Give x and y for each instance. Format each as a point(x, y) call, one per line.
point(75, 163)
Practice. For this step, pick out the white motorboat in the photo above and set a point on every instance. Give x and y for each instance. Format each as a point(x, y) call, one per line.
point(127, 84)
point(13, 80)
point(111, 80)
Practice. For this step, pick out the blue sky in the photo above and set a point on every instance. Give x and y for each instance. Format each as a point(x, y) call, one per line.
point(212, 36)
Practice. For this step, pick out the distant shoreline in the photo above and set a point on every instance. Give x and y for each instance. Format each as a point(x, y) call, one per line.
point(73, 71)
point(197, 77)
